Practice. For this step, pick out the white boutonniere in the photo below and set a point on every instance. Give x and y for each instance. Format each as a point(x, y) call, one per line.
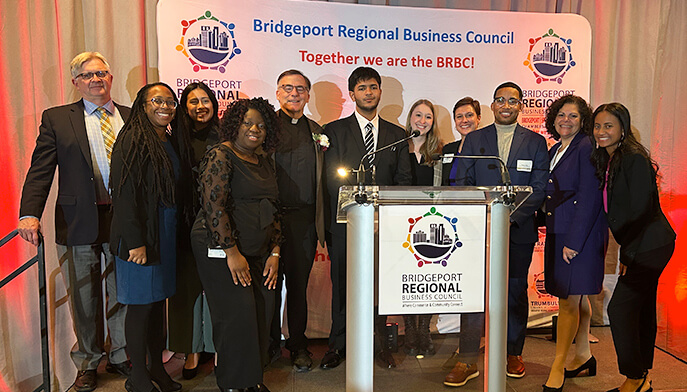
point(321, 140)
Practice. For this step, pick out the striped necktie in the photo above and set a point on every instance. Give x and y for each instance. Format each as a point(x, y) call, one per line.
point(107, 130)
point(369, 142)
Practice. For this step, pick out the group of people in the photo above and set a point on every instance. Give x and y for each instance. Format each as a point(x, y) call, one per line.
point(212, 215)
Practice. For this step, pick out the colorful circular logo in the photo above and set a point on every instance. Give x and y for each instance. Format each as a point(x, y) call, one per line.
point(550, 57)
point(208, 42)
point(432, 238)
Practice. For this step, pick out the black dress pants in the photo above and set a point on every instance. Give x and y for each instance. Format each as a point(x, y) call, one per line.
point(241, 316)
point(519, 260)
point(336, 245)
point(632, 311)
point(297, 257)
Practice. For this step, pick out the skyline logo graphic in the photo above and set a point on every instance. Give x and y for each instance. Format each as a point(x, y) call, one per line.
point(432, 238)
point(208, 42)
point(550, 57)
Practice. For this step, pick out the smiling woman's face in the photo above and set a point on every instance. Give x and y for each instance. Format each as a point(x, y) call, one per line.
point(199, 107)
point(421, 119)
point(160, 115)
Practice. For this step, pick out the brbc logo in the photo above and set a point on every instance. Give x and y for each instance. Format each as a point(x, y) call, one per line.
point(432, 238)
point(550, 57)
point(208, 42)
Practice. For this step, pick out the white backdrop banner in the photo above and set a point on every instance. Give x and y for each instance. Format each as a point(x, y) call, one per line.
point(239, 48)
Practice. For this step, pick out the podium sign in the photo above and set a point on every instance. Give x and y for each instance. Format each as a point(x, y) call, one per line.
point(432, 258)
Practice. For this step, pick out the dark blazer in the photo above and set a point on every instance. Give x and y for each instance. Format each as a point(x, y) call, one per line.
point(347, 147)
point(63, 143)
point(573, 199)
point(315, 128)
point(451, 148)
point(634, 213)
point(135, 209)
point(527, 147)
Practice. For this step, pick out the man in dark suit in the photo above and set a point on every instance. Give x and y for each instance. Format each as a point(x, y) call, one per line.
point(527, 161)
point(300, 166)
point(350, 138)
point(77, 139)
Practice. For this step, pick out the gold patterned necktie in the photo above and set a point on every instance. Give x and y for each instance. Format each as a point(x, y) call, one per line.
point(107, 130)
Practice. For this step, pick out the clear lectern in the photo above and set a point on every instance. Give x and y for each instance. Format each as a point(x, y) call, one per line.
point(356, 208)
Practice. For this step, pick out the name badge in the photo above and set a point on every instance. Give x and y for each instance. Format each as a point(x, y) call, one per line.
point(448, 158)
point(216, 253)
point(524, 165)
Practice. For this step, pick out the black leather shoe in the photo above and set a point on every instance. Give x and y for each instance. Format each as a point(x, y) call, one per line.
point(86, 380)
point(301, 361)
point(589, 366)
point(332, 359)
point(123, 368)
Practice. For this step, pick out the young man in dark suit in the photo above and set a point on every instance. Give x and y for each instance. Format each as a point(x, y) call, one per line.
point(527, 160)
point(300, 167)
point(350, 138)
point(77, 140)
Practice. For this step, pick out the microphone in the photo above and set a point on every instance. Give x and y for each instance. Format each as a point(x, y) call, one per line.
point(361, 167)
point(509, 197)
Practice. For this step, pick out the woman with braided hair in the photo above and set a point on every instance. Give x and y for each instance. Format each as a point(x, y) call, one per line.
point(149, 162)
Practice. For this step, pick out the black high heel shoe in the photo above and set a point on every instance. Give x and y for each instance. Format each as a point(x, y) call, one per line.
point(590, 366)
point(546, 388)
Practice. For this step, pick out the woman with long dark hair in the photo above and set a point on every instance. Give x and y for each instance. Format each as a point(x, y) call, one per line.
point(150, 159)
point(190, 329)
point(236, 240)
point(628, 178)
point(576, 235)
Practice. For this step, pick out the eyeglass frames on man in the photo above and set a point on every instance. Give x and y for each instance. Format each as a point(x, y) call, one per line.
point(86, 76)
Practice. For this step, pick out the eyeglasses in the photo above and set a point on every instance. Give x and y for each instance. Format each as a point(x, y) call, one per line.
point(288, 88)
point(501, 101)
point(158, 102)
point(89, 75)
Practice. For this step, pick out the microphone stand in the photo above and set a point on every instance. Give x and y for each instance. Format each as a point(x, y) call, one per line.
point(361, 196)
point(509, 196)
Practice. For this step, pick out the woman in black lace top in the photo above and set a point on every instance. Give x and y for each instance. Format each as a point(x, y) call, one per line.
point(236, 240)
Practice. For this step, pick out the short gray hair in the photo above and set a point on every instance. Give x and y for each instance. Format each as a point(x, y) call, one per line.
point(82, 58)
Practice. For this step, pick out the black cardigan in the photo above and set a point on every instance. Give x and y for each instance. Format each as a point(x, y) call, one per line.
point(634, 213)
point(135, 209)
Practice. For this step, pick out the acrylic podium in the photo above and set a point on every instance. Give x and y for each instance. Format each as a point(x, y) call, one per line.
point(356, 207)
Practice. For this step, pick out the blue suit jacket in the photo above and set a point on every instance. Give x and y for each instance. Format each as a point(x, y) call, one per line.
point(527, 147)
point(573, 197)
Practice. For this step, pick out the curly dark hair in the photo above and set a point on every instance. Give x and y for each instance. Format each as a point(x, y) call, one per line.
point(233, 117)
point(628, 145)
point(147, 148)
point(582, 107)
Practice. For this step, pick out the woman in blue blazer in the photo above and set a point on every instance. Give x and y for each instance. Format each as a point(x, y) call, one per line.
point(576, 235)
point(647, 241)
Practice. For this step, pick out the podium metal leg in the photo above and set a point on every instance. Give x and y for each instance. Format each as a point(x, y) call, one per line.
point(360, 298)
point(497, 299)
